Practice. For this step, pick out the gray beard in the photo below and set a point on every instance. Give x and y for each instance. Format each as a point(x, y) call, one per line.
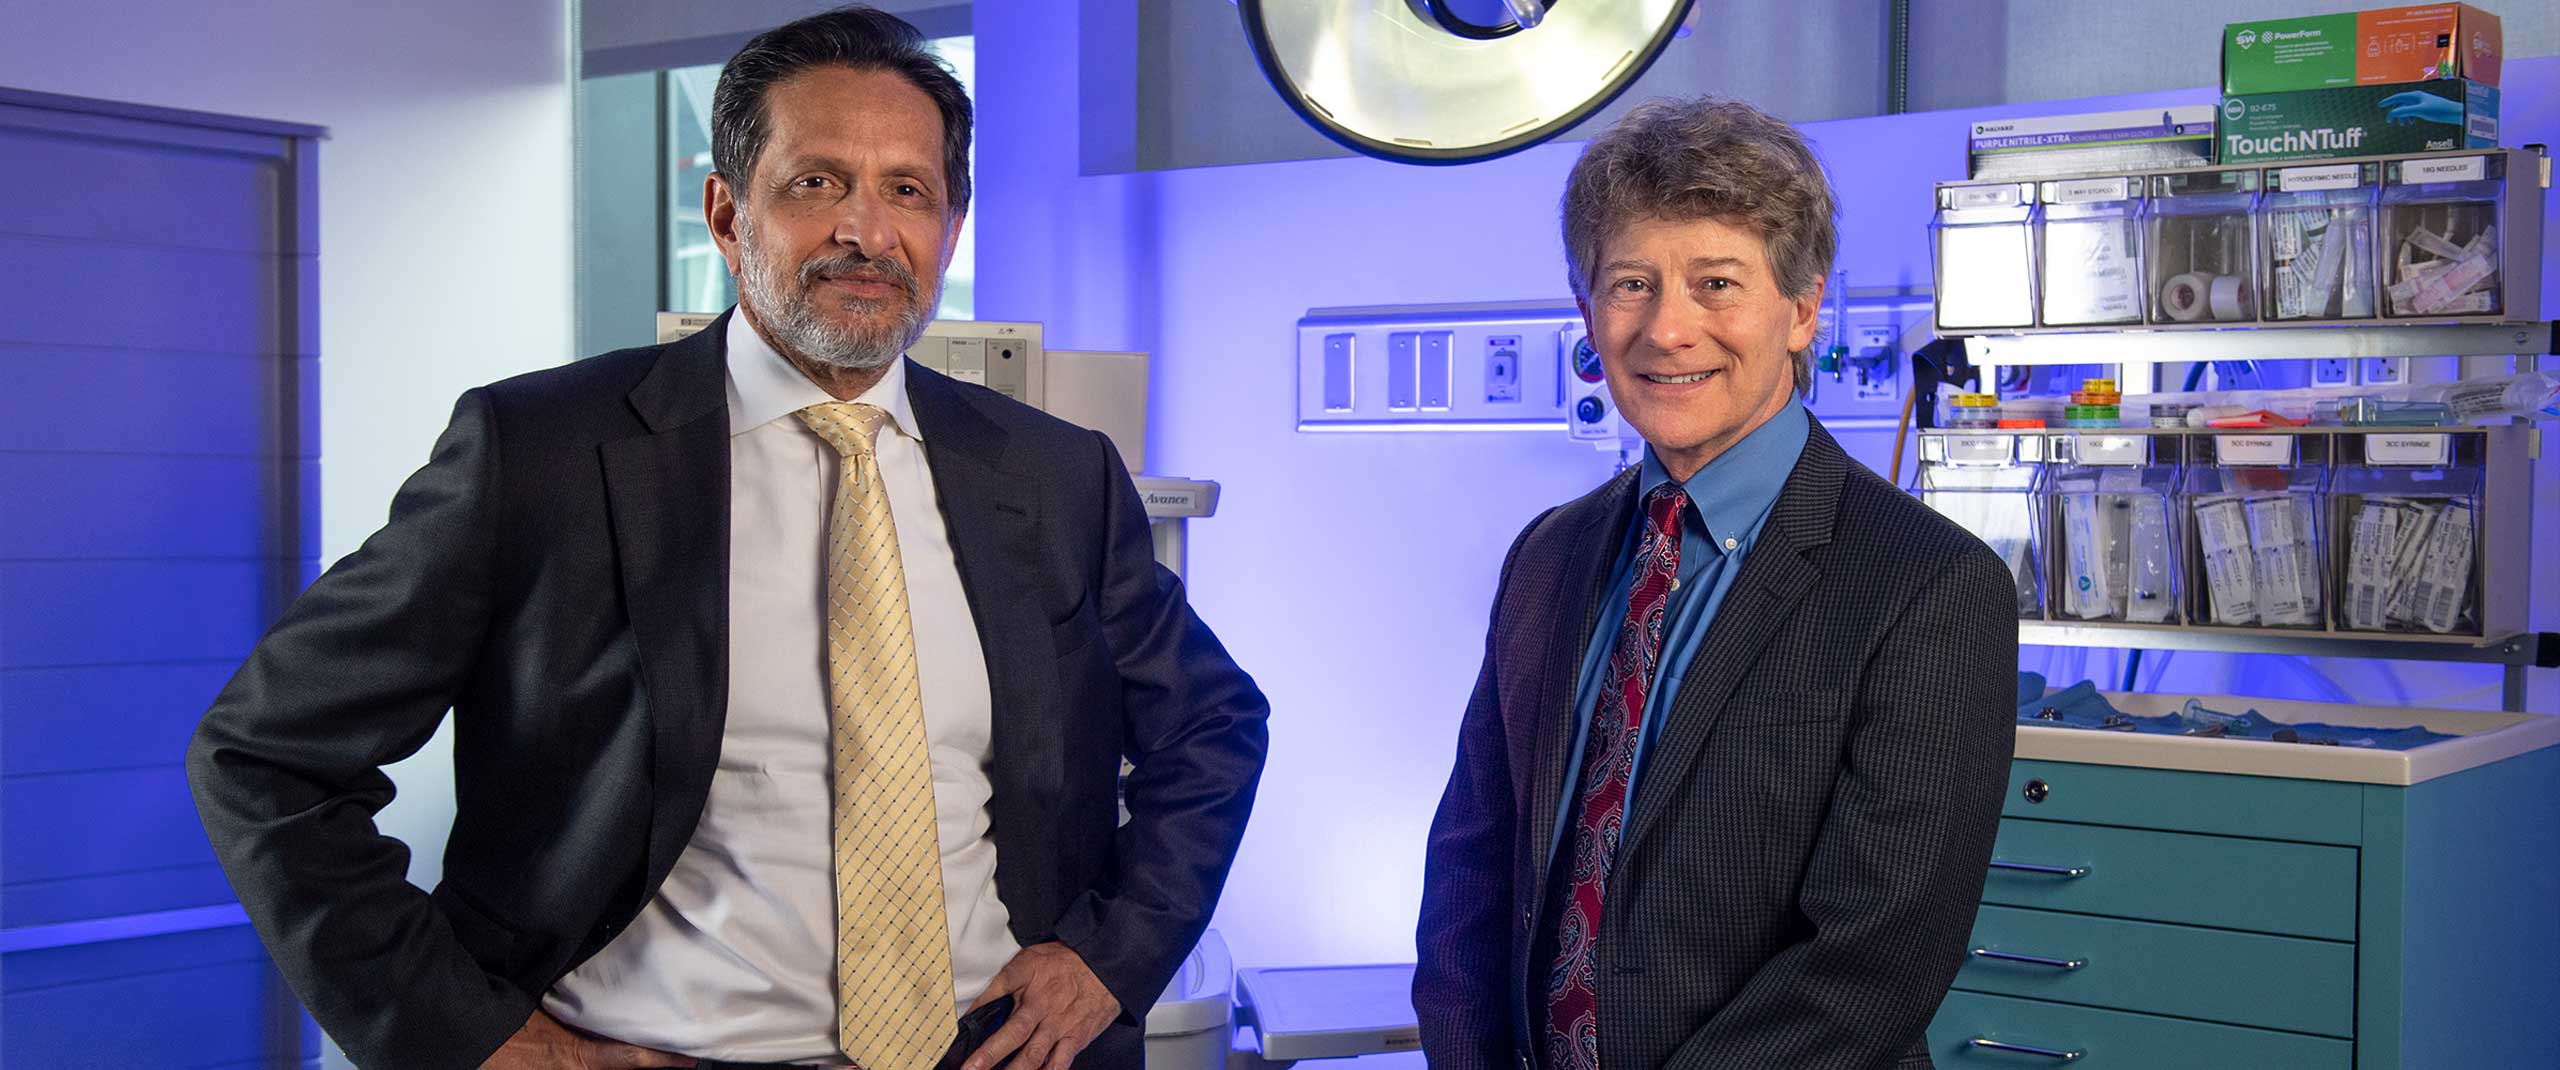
point(779, 295)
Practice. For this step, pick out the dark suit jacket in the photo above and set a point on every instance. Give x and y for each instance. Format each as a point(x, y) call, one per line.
point(1807, 844)
point(557, 575)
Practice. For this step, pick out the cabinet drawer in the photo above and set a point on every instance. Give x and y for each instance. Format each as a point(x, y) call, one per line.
point(2112, 1040)
point(2277, 982)
point(2267, 886)
point(2275, 808)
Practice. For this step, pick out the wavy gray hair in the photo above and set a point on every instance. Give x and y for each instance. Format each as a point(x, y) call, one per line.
point(1706, 158)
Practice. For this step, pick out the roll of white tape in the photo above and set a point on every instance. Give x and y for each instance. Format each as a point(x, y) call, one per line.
point(2230, 297)
point(2186, 296)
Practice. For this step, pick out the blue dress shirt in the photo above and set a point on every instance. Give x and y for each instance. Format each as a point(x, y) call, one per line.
point(1729, 500)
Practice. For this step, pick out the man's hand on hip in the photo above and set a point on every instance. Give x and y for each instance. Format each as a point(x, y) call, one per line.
point(1059, 1006)
point(545, 1044)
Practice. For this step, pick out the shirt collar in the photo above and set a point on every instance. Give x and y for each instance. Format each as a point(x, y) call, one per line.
point(763, 387)
point(1736, 489)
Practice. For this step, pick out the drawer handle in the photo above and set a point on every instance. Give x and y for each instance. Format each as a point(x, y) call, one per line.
point(2031, 960)
point(2064, 872)
point(1988, 1044)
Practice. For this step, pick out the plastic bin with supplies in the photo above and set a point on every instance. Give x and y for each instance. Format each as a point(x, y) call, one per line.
point(1984, 241)
point(2202, 249)
point(2316, 232)
point(2255, 510)
point(2440, 233)
point(1985, 481)
point(2089, 238)
point(2112, 546)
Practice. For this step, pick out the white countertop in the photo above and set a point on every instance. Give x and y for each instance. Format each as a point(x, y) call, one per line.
point(2484, 737)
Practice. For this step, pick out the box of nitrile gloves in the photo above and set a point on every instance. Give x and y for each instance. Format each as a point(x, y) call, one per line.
point(2378, 47)
point(2180, 135)
point(2357, 120)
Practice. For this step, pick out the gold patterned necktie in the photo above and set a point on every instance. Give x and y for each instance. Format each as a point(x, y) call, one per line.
point(893, 940)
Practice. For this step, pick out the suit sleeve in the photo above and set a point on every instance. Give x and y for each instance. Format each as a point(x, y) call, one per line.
point(286, 770)
point(1463, 941)
point(1195, 736)
point(1897, 869)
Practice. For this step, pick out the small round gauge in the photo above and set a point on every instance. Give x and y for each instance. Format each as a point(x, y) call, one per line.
point(1586, 361)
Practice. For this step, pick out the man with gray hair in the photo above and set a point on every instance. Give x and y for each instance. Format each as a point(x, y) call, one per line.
point(791, 680)
point(1727, 786)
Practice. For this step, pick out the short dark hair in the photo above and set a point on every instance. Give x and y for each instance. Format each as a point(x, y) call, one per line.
point(1705, 158)
point(857, 38)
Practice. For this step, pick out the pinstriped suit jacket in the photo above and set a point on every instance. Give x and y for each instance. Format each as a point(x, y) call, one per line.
point(1803, 857)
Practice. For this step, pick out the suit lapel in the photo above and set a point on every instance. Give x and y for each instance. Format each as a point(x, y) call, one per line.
point(669, 492)
point(1775, 578)
point(992, 513)
point(1583, 577)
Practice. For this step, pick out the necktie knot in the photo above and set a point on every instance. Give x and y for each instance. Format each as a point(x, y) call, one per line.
point(1662, 508)
point(848, 426)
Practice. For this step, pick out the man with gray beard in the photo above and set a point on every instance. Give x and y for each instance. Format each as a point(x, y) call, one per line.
point(763, 648)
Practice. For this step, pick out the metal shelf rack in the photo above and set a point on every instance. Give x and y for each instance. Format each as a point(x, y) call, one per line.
point(2516, 653)
point(2137, 353)
point(2174, 345)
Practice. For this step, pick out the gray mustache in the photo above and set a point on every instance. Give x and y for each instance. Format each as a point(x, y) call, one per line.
point(867, 269)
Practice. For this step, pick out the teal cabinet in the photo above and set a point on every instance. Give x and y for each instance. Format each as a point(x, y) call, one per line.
point(2151, 918)
point(2267, 886)
point(1974, 1030)
point(2214, 975)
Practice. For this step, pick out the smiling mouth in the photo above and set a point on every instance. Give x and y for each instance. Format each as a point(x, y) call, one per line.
point(1682, 380)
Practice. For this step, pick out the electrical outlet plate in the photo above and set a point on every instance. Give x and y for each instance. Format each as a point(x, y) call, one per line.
point(2332, 371)
point(1502, 369)
point(2384, 371)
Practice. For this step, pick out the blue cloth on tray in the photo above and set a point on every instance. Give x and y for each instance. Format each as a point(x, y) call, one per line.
point(2081, 706)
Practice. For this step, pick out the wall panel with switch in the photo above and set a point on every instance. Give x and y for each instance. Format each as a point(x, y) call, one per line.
point(1509, 366)
point(1474, 367)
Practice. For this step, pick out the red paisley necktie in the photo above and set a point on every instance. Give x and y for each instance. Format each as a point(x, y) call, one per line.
point(1608, 758)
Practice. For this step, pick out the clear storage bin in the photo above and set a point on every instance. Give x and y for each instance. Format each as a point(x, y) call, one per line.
point(2202, 250)
point(1986, 481)
point(1984, 240)
point(2408, 509)
point(2253, 507)
point(2440, 233)
point(2091, 251)
point(2316, 231)
point(2112, 543)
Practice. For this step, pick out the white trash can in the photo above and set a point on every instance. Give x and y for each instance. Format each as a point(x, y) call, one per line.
point(1193, 1025)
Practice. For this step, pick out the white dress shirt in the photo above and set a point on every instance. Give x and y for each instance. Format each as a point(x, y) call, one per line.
point(734, 958)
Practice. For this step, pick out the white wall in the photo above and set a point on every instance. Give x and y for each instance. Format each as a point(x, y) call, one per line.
point(444, 213)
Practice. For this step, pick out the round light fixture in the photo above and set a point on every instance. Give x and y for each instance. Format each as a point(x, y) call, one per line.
point(1453, 81)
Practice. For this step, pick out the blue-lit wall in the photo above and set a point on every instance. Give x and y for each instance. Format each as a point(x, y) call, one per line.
point(444, 191)
point(1352, 573)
